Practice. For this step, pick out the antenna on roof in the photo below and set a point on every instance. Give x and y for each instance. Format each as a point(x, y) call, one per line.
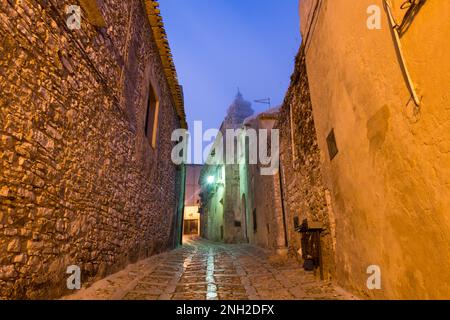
point(264, 101)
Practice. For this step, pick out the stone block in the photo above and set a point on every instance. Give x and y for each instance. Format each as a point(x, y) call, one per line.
point(5, 191)
point(7, 272)
point(21, 258)
point(14, 246)
point(10, 232)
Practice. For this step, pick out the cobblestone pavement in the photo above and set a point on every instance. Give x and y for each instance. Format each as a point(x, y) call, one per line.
point(205, 270)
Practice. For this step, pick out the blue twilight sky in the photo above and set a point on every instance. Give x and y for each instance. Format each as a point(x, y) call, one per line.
point(220, 45)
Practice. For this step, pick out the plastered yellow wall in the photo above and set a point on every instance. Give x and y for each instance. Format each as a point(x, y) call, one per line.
point(390, 181)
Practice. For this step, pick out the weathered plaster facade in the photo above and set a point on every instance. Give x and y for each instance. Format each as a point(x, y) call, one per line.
point(239, 204)
point(212, 203)
point(80, 183)
point(389, 182)
point(223, 218)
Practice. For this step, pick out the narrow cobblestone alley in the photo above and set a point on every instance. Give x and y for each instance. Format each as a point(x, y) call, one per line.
point(204, 270)
point(224, 150)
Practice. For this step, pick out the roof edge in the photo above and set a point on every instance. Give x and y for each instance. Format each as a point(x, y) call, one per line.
point(160, 37)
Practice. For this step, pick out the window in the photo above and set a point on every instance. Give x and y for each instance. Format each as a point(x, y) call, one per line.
point(151, 118)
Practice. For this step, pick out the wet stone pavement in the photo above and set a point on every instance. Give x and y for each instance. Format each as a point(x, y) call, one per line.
point(213, 271)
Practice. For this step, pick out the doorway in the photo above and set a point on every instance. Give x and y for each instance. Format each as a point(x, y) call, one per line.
point(191, 228)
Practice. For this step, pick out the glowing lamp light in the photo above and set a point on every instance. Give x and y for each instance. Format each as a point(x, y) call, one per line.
point(210, 179)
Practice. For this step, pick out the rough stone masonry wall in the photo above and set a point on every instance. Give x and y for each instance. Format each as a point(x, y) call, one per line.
point(79, 182)
point(265, 226)
point(261, 197)
point(303, 190)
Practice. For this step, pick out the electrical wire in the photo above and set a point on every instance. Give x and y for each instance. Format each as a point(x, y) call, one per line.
point(412, 7)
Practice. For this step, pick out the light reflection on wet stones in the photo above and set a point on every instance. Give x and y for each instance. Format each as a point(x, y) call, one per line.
point(204, 270)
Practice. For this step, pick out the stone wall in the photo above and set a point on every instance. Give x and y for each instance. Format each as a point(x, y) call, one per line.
point(304, 194)
point(233, 215)
point(79, 182)
point(224, 219)
point(265, 226)
point(192, 186)
point(212, 220)
point(221, 205)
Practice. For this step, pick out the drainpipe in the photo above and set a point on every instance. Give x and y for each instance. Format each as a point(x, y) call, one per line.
point(283, 209)
point(399, 48)
point(180, 223)
point(291, 120)
point(281, 237)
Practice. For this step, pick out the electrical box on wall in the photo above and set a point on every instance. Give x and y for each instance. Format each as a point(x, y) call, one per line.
point(332, 146)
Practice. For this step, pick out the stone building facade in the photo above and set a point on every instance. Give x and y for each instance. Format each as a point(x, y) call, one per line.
point(303, 192)
point(261, 195)
point(212, 195)
point(380, 103)
point(86, 117)
point(239, 204)
point(222, 217)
